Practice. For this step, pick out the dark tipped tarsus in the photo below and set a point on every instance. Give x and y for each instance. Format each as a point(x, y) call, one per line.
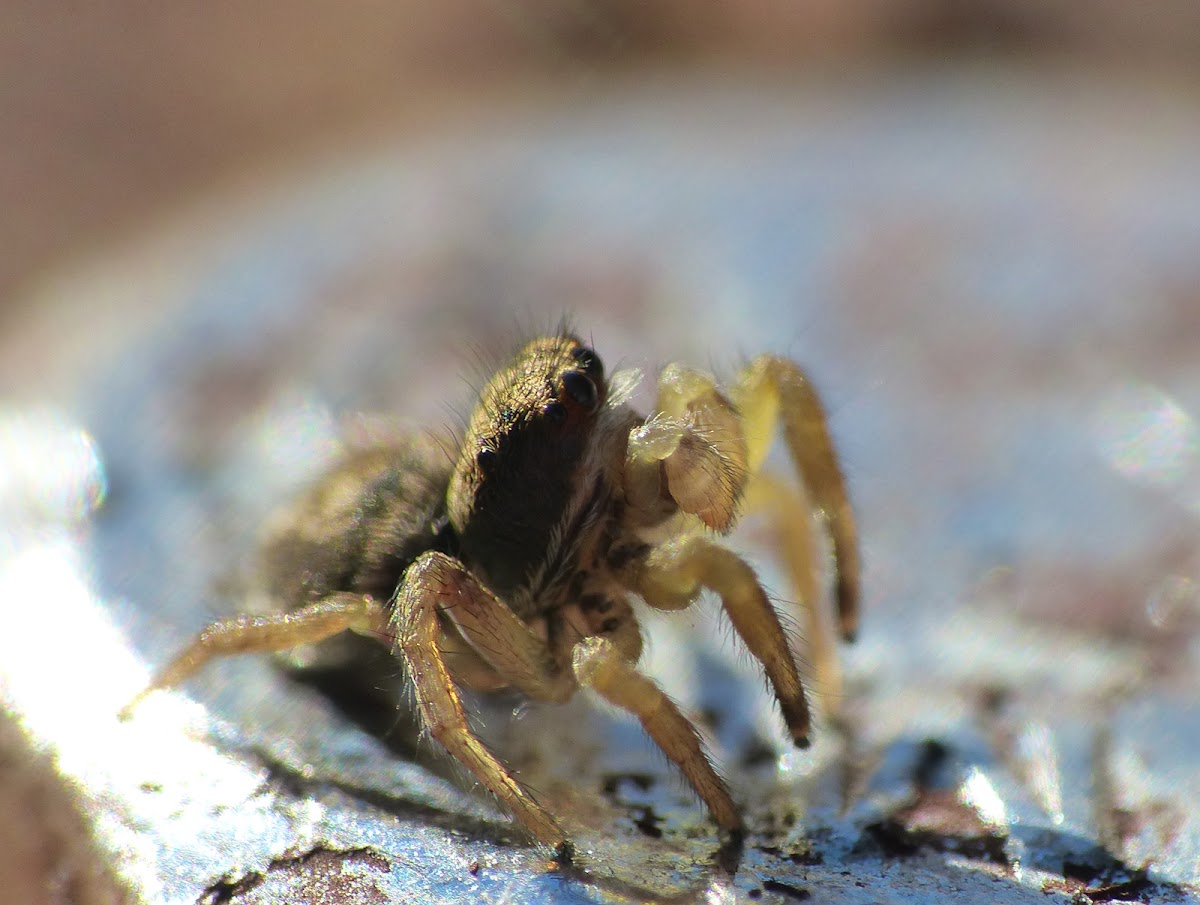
point(847, 607)
point(564, 853)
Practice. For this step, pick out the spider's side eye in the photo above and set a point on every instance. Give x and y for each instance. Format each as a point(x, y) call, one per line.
point(485, 458)
point(555, 412)
point(589, 362)
point(581, 390)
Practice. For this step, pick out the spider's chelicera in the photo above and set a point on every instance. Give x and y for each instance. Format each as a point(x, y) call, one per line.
point(514, 564)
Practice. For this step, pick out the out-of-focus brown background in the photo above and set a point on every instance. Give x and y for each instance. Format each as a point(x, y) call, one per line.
point(113, 113)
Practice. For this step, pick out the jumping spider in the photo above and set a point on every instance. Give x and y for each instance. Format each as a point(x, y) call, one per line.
point(514, 564)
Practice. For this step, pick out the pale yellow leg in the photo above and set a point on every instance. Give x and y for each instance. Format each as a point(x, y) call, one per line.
point(599, 666)
point(430, 587)
point(791, 530)
point(259, 634)
point(674, 574)
point(774, 390)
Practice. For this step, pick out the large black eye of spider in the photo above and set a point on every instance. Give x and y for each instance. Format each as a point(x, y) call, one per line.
point(581, 390)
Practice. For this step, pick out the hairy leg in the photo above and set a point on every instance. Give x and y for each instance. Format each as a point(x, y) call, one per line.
point(494, 632)
point(790, 528)
point(437, 584)
point(599, 666)
point(673, 575)
point(260, 634)
point(774, 390)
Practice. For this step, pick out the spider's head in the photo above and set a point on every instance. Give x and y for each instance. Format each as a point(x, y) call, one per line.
point(520, 462)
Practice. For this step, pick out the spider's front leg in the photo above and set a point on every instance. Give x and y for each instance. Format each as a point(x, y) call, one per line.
point(773, 390)
point(600, 666)
point(672, 577)
point(438, 585)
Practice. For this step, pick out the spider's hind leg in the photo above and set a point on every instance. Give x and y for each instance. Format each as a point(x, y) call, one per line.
point(260, 634)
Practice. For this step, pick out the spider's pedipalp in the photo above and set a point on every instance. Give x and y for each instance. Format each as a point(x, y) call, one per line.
point(701, 477)
point(707, 470)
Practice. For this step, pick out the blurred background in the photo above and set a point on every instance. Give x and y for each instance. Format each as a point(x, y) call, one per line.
point(1011, 372)
point(114, 113)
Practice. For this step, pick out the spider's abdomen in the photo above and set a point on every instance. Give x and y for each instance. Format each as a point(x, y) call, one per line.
point(360, 526)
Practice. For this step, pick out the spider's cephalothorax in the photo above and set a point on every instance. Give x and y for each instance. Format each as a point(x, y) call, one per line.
point(532, 474)
point(514, 565)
